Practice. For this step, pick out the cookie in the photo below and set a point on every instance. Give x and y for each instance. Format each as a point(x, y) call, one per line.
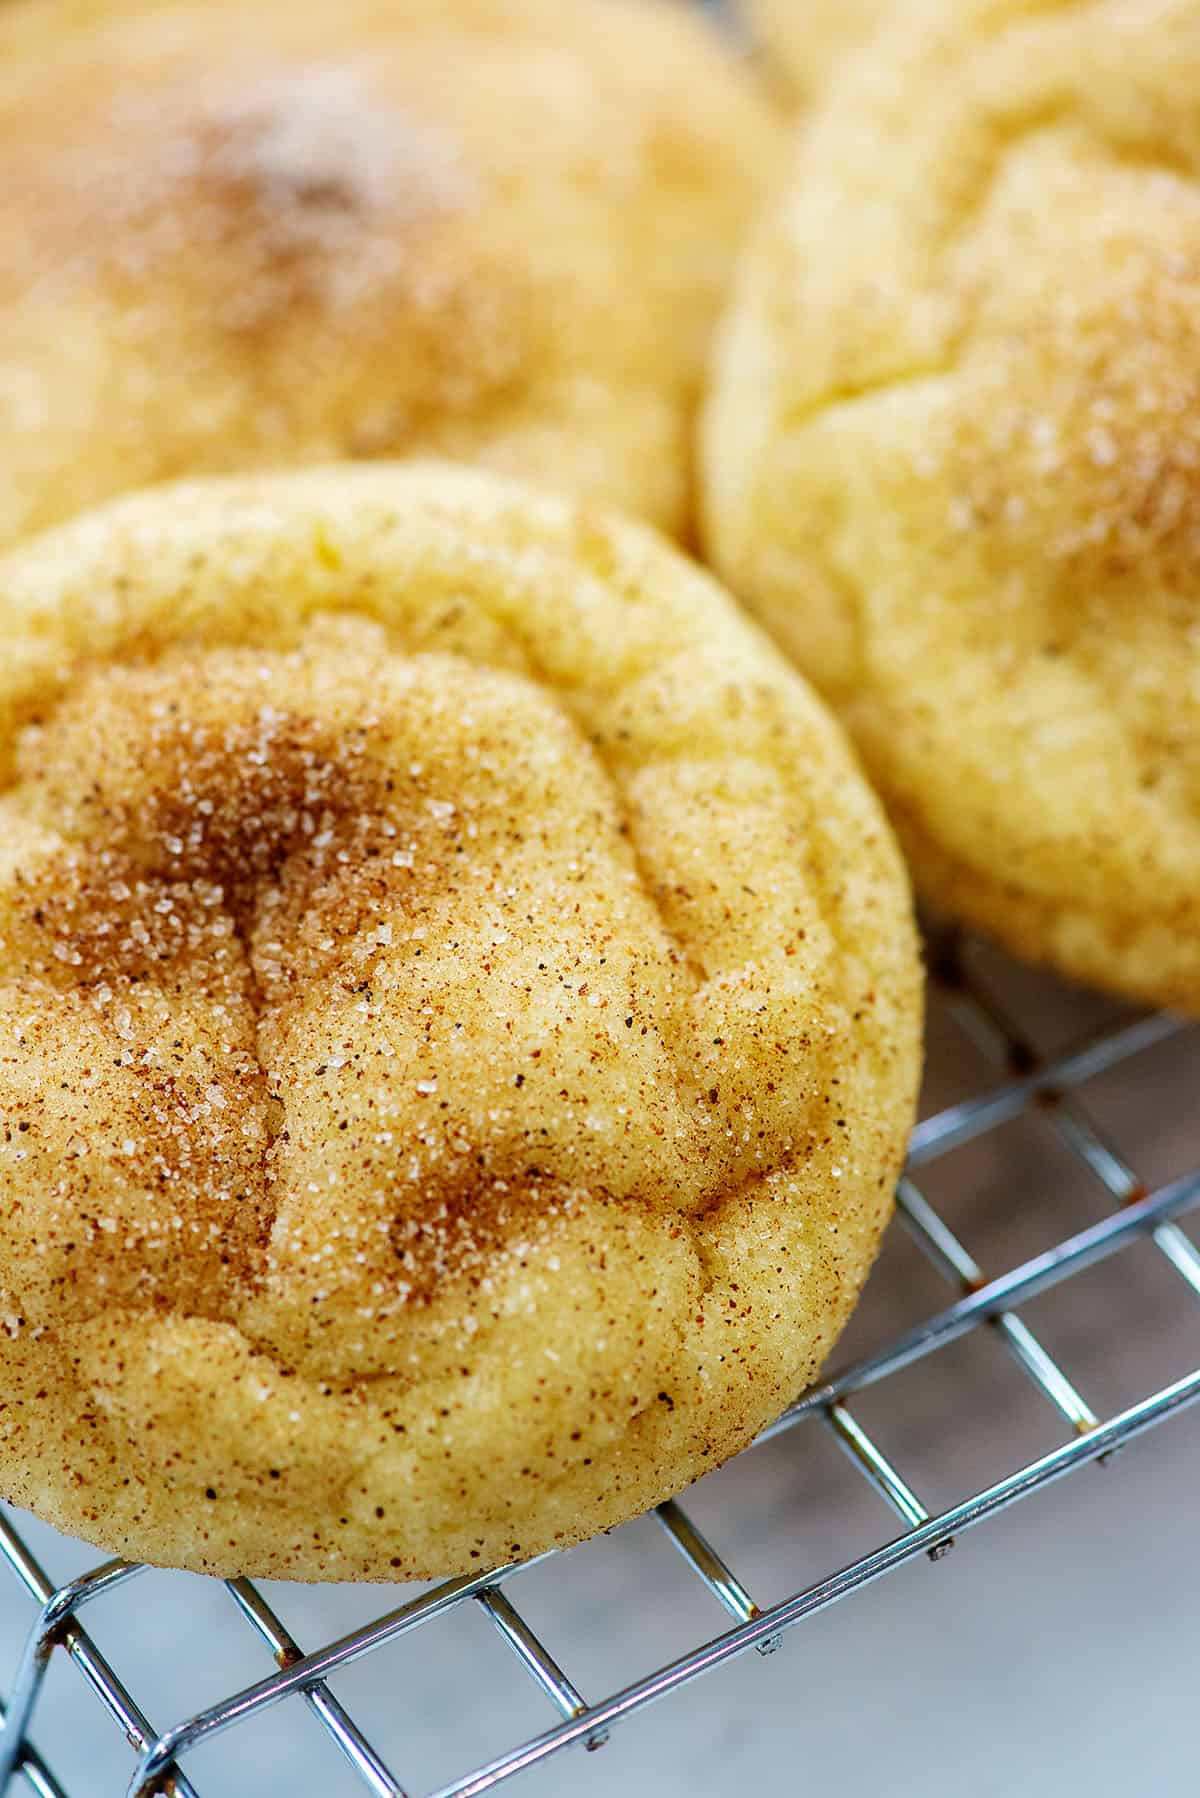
point(807, 42)
point(462, 1024)
point(951, 460)
point(233, 238)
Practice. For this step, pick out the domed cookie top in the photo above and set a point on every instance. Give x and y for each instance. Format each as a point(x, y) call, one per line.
point(463, 1022)
point(238, 237)
point(952, 463)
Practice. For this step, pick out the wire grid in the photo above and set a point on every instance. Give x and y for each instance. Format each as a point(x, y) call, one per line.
point(1131, 1215)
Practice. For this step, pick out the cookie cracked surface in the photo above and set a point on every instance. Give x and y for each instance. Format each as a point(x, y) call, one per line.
point(952, 460)
point(460, 1025)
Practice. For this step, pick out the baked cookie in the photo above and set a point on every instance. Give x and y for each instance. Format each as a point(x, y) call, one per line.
point(807, 41)
point(461, 1024)
point(235, 237)
point(952, 456)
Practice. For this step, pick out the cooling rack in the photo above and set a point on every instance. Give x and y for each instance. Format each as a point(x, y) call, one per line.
point(1056, 1089)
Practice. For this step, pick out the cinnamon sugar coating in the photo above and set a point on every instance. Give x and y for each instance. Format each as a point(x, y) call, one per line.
point(460, 1024)
point(953, 463)
point(240, 236)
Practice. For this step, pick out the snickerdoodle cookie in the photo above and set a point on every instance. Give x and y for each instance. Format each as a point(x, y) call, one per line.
point(953, 463)
point(240, 236)
point(461, 1023)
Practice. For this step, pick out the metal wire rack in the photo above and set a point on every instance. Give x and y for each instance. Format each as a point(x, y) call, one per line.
point(1052, 1088)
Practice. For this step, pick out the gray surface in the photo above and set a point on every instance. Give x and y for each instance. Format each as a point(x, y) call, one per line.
point(1054, 1651)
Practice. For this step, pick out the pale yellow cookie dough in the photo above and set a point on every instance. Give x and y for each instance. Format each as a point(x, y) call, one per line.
point(460, 1024)
point(237, 236)
point(953, 464)
point(807, 42)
